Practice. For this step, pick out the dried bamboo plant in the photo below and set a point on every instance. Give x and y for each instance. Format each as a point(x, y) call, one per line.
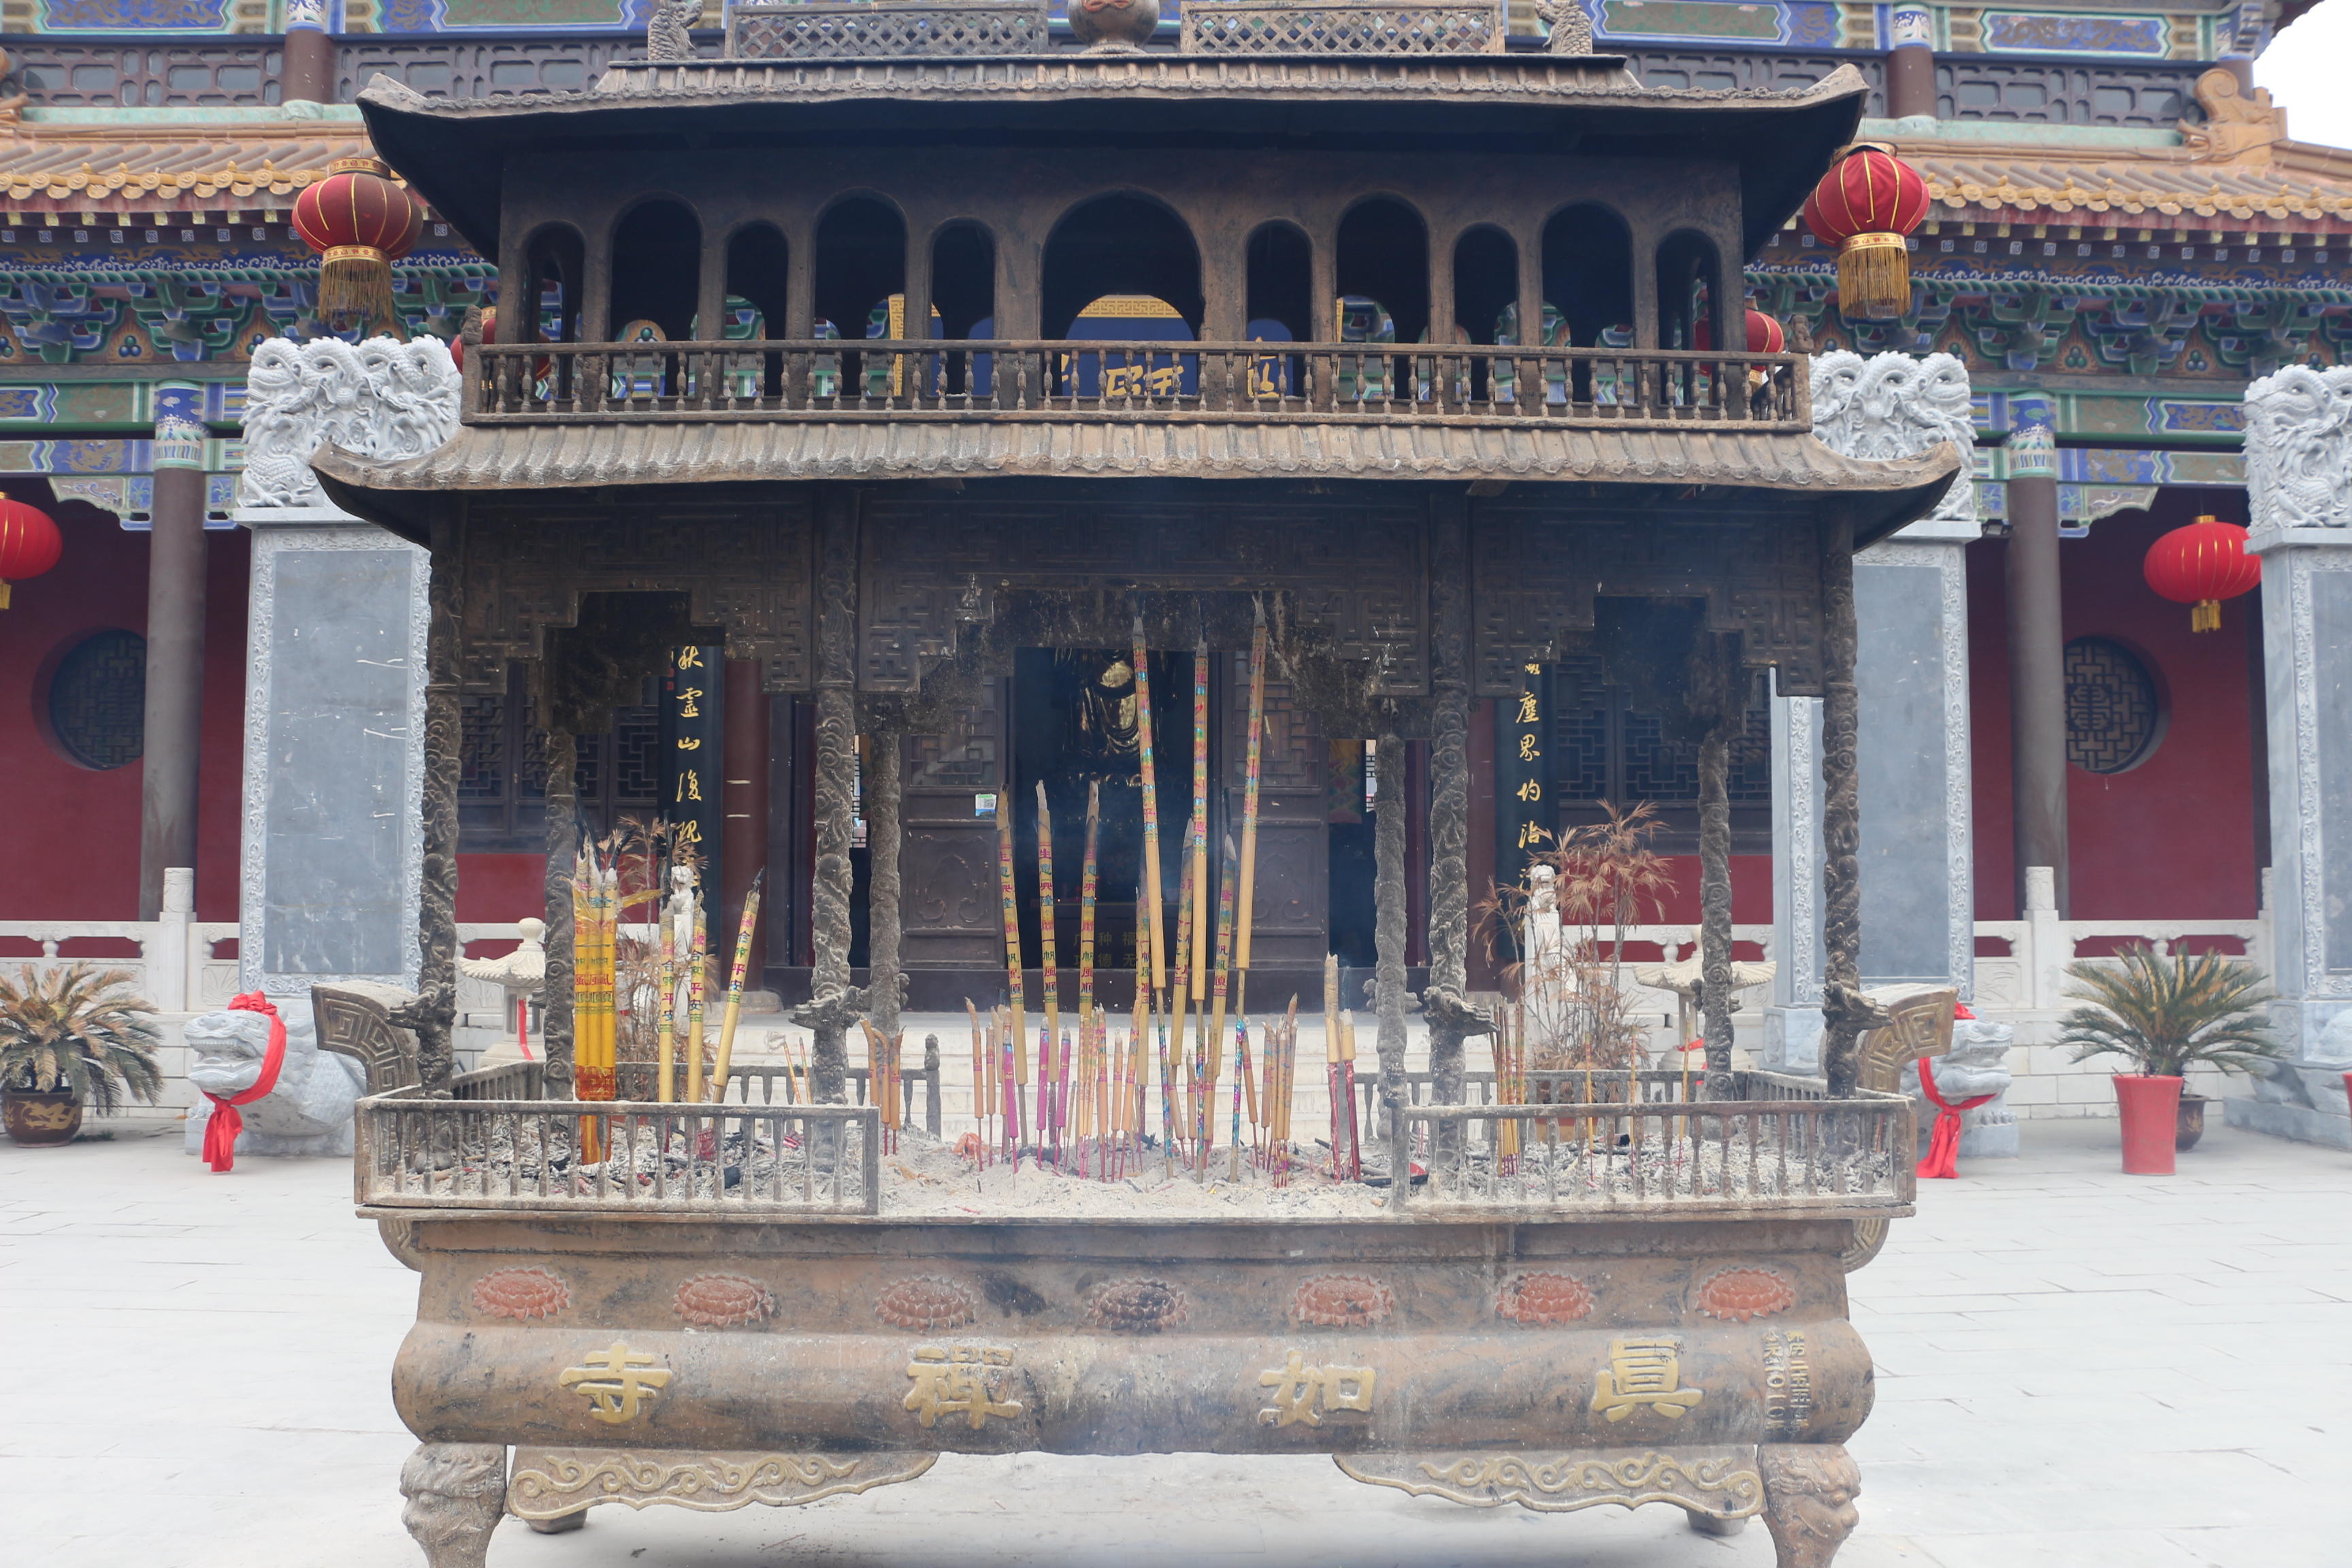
point(1578, 1004)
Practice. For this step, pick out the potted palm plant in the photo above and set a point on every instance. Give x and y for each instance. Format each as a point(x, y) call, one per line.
point(71, 1037)
point(2164, 1015)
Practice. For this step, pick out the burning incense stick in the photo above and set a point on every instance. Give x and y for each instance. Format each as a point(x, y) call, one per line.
point(1331, 1039)
point(1216, 1031)
point(735, 987)
point(1151, 889)
point(1020, 1074)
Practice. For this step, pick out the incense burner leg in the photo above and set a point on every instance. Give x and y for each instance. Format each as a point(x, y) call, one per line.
point(455, 1492)
point(1714, 1524)
point(1808, 1492)
point(563, 1524)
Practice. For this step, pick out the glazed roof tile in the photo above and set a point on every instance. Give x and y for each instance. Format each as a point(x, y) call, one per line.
point(553, 456)
point(132, 167)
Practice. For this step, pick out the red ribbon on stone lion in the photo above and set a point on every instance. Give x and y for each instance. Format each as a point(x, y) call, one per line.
point(221, 1131)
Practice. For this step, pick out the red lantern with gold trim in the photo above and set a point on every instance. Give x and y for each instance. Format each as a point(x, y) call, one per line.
point(2202, 565)
point(29, 544)
point(360, 222)
point(1866, 205)
point(1765, 335)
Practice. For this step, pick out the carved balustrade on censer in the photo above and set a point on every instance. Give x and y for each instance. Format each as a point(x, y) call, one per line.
point(1308, 236)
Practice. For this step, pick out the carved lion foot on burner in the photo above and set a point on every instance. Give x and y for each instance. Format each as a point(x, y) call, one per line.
point(455, 1493)
point(1808, 1492)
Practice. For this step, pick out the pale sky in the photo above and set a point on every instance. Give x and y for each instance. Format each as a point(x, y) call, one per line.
point(2308, 69)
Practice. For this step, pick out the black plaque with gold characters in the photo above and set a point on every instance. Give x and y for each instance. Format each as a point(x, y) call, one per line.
point(691, 694)
point(1524, 815)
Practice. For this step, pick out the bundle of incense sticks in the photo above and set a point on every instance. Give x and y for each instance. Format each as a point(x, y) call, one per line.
point(1151, 890)
point(735, 987)
point(1206, 1047)
point(595, 900)
point(1347, 1092)
point(979, 1104)
point(1246, 899)
point(1510, 1084)
point(882, 1079)
point(1213, 1036)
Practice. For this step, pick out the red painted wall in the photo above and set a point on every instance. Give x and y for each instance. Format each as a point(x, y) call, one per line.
point(70, 835)
point(501, 887)
point(2173, 838)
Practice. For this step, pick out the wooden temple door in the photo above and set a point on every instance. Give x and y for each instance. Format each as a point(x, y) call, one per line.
point(953, 909)
point(1290, 928)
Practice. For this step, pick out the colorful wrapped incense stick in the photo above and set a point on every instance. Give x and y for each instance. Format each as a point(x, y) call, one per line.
point(1197, 862)
point(1087, 905)
point(698, 970)
point(979, 1083)
point(1152, 875)
point(1047, 967)
point(735, 987)
point(1184, 969)
point(1020, 1043)
point(1246, 905)
point(1216, 1033)
point(1332, 1038)
point(1241, 1077)
point(1347, 1093)
point(666, 1024)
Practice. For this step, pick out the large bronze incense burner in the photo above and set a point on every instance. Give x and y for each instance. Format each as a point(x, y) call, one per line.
point(873, 364)
point(1559, 1339)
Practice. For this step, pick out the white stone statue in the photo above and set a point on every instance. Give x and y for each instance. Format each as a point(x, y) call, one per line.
point(381, 399)
point(1977, 1064)
point(1891, 406)
point(309, 1110)
point(2299, 449)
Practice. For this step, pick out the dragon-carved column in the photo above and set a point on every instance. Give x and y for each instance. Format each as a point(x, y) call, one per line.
point(434, 1015)
point(1844, 1012)
point(1715, 905)
point(1387, 925)
point(834, 1004)
point(885, 979)
point(1446, 1003)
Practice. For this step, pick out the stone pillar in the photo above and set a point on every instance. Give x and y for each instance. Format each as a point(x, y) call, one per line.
point(1919, 894)
point(335, 665)
point(2299, 484)
point(310, 70)
point(1910, 63)
point(834, 1004)
point(176, 644)
point(2037, 660)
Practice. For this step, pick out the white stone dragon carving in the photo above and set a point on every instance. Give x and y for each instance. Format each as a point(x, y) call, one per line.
point(1891, 406)
point(2299, 449)
point(379, 398)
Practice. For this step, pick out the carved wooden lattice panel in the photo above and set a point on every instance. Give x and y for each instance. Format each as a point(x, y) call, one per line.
point(865, 31)
point(1353, 571)
point(1311, 28)
point(952, 914)
point(749, 571)
point(1290, 906)
point(1534, 576)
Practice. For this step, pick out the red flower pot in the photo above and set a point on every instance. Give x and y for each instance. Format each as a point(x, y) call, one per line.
point(2150, 1108)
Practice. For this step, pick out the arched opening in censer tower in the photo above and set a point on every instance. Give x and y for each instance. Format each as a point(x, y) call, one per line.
point(1119, 244)
point(861, 261)
point(656, 261)
point(1383, 256)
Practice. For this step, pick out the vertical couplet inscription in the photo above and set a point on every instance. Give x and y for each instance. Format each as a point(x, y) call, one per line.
point(1523, 816)
point(690, 730)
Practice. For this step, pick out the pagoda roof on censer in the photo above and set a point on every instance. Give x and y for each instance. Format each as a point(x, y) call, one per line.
point(1883, 495)
point(453, 151)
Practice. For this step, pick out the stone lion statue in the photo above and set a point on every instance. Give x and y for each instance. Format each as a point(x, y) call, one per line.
point(309, 1111)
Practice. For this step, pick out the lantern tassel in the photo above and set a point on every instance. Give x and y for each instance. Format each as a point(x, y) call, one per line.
point(1873, 276)
point(2205, 616)
point(355, 288)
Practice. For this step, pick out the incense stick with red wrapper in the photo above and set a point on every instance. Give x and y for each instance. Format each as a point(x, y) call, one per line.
point(1049, 979)
point(735, 987)
point(978, 1087)
point(1018, 1074)
point(1094, 1121)
point(1185, 940)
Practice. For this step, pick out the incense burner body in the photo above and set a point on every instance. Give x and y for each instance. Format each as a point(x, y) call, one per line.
point(1556, 1364)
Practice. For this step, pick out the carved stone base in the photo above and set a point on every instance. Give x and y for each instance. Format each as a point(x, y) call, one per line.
point(554, 1483)
point(1808, 1492)
point(454, 1490)
point(1716, 1483)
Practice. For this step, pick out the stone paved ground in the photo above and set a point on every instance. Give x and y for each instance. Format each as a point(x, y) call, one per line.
point(2077, 1370)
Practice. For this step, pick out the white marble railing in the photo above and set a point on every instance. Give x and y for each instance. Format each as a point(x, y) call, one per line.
point(2033, 976)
